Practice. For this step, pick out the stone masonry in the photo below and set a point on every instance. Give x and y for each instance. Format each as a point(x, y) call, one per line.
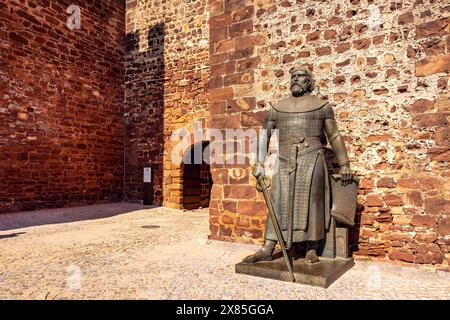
point(83, 111)
point(385, 67)
point(61, 93)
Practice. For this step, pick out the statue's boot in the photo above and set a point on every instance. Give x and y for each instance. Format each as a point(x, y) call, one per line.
point(311, 252)
point(265, 254)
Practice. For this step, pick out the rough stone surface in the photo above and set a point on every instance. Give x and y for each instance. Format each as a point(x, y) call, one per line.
point(127, 251)
point(166, 88)
point(71, 116)
point(61, 104)
point(384, 79)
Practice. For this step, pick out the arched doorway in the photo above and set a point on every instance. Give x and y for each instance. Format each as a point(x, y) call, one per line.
point(197, 180)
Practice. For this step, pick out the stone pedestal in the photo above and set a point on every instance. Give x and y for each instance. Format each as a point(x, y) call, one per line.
point(334, 261)
point(321, 274)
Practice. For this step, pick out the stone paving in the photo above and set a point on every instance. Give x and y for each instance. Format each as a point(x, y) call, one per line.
point(128, 251)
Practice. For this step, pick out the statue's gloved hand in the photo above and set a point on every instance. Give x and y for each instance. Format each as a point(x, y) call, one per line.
point(258, 170)
point(346, 175)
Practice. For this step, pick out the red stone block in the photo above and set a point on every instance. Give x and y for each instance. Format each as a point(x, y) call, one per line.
point(437, 206)
point(252, 119)
point(252, 208)
point(241, 28)
point(343, 63)
point(303, 54)
point(216, 7)
point(313, 36)
point(371, 249)
point(323, 51)
point(219, 34)
point(406, 18)
point(361, 28)
point(339, 80)
point(439, 154)
point(244, 13)
point(432, 65)
point(442, 137)
point(227, 219)
point(220, 21)
point(393, 200)
point(329, 34)
point(18, 38)
point(427, 120)
point(409, 182)
point(366, 183)
point(415, 198)
point(219, 58)
point(429, 258)
point(334, 21)
point(248, 64)
point(245, 192)
point(434, 47)
point(346, 32)
point(361, 44)
point(386, 183)
point(433, 28)
point(444, 226)
point(234, 5)
point(225, 121)
point(224, 231)
point(342, 47)
point(421, 106)
point(224, 46)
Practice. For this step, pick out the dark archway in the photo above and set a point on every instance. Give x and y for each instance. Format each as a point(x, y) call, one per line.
point(197, 179)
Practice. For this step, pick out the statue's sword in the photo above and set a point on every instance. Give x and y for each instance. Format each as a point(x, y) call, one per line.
point(276, 226)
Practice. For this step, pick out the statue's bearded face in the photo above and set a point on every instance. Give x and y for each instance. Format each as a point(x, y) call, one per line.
point(299, 83)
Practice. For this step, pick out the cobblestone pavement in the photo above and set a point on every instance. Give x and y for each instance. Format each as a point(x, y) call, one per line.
point(128, 251)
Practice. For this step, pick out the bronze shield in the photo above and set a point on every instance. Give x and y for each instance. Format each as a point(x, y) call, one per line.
point(343, 205)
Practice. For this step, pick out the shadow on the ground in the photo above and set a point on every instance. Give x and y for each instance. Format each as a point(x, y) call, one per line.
point(26, 219)
point(11, 235)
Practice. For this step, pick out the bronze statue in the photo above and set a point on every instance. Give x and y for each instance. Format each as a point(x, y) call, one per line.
point(300, 188)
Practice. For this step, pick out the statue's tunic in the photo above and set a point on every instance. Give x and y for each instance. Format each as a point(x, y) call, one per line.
point(300, 187)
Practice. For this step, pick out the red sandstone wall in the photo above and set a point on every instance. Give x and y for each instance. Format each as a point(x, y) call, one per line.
point(224, 62)
point(61, 127)
point(166, 89)
point(389, 87)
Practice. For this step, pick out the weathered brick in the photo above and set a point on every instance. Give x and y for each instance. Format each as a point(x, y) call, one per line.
point(386, 183)
point(219, 94)
point(437, 206)
point(342, 47)
point(220, 21)
point(415, 198)
point(426, 120)
point(432, 65)
point(362, 44)
point(406, 18)
point(434, 28)
point(62, 102)
point(374, 200)
point(421, 106)
point(402, 256)
point(252, 208)
point(323, 51)
point(313, 36)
